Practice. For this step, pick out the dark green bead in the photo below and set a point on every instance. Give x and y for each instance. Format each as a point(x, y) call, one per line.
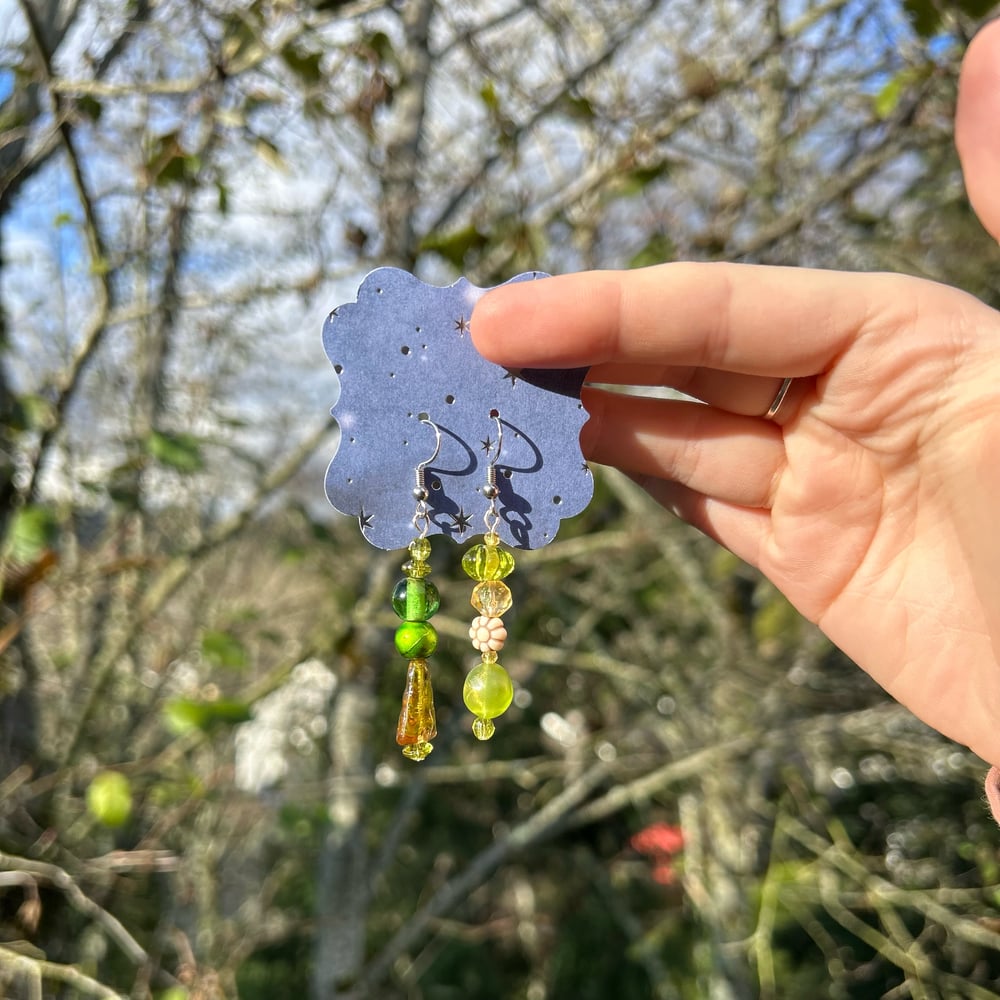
point(415, 600)
point(416, 639)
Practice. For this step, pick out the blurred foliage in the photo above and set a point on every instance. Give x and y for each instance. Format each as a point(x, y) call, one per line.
point(200, 795)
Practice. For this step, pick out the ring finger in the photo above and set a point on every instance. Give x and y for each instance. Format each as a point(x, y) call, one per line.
point(716, 453)
point(747, 395)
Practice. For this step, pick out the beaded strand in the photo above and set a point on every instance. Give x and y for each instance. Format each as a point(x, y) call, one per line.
point(488, 690)
point(416, 600)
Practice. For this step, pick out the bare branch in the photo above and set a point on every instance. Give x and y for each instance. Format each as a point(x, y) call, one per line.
point(53, 875)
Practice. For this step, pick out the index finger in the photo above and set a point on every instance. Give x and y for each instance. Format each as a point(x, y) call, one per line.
point(744, 318)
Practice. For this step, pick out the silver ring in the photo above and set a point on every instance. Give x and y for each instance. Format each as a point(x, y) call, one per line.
point(772, 410)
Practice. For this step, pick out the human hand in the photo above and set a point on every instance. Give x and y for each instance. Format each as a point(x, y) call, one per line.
point(872, 499)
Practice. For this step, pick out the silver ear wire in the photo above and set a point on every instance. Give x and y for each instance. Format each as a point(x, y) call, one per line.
point(491, 491)
point(421, 519)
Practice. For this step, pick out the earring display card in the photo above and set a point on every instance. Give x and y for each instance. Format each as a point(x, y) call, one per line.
point(403, 350)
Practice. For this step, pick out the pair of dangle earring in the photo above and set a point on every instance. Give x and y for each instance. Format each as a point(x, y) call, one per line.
point(488, 691)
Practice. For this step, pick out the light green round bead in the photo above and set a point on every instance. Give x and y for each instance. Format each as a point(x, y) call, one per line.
point(488, 690)
point(420, 548)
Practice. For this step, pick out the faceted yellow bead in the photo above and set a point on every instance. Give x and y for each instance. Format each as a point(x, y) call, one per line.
point(487, 562)
point(488, 690)
point(416, 568)
point(418, 751)
point(417, 723)
point(482, 729)
point(420, 549)
point(416, 639)
point(491, 598)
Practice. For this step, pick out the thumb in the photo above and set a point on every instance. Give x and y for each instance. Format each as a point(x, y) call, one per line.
point(977, 125)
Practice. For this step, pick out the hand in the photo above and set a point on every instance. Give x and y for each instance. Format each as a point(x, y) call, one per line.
point(873, 499)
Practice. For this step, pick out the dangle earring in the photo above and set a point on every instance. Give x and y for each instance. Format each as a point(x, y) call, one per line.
point(415, 599)
point(488, 691)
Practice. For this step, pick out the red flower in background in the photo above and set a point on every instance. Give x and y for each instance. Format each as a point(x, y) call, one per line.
point(660, 842)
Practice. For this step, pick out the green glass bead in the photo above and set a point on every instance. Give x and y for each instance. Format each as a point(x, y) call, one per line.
point(420, 549)
point(487, 562)
point(488, 690)
point(416, 639)
point(415, 600)
point(417, 568)
point(491, 598)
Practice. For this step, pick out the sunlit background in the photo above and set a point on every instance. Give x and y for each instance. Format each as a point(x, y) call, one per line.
point(694, 795)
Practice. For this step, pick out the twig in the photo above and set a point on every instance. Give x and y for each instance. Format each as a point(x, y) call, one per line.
point(37, 969)
point(541, 825)
point(95, 330)
point(55, 876)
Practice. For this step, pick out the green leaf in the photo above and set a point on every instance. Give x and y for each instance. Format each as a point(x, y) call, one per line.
point(636, 181)
point(242, 47)
point(89, 106)
point(184, 715)
point(224, 650)
point(33, 530)
point(109, 798)
point(660, 248)
point(488, 93)
point(179, 169)
point(577, 107)
point(456, 245)
point(30, 413)
point(305, 65)
point(381, 45)
point(179, 451)
point(887, 99)
point(924, 16)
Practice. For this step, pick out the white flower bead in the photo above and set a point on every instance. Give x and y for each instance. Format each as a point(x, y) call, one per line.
point(488, 634)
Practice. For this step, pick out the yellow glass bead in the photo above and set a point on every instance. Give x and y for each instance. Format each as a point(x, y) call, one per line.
point(416, 568)
point(417, 723)
point(487, 562)
point(491, 538)
point(488, 691)
point(420, 549)
point(483, 729)
point(491, 598)
point(418, 751)
point(490, 656)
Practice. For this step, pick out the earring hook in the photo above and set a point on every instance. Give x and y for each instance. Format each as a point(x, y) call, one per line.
point(491, 491)
point(421, 519)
